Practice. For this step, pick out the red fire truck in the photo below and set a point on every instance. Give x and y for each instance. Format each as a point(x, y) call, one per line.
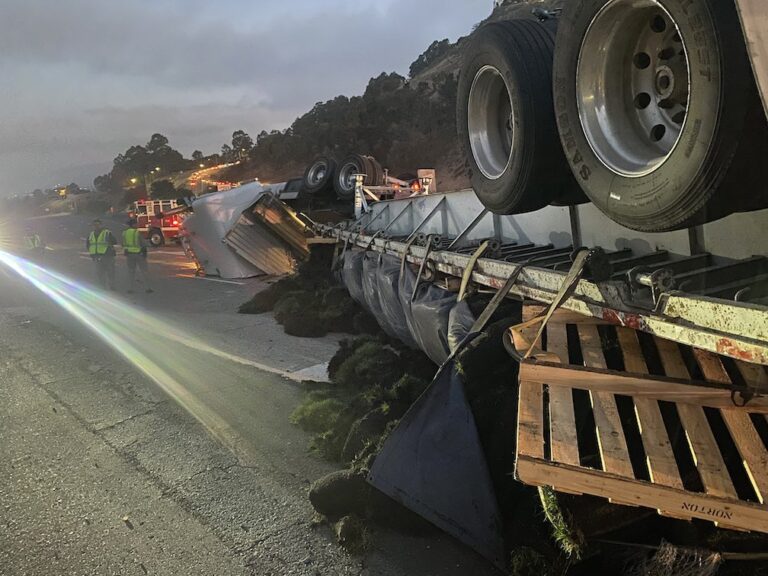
point(165, 226)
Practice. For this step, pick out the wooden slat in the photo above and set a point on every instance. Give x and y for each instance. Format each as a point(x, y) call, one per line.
point(635, 385)
point(748, 442)
point(670, 501)
point(530, 426)
point(754, 375)
point(562, 418)
point(560, 316)
point(610, 434)
point(701, 441)
point(658, 449)
point(530, 414)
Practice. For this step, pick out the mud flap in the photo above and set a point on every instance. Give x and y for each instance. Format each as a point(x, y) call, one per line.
point(433, 464)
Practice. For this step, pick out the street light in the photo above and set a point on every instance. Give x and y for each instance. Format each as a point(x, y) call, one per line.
point(134, 180)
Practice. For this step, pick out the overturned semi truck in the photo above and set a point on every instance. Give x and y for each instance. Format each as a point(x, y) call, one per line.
point(616, 151)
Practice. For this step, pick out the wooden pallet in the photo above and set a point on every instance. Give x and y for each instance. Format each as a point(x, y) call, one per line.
point(629, 423)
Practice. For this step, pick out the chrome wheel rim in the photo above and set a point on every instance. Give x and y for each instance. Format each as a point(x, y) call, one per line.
point(317, 174)
point(632, 87)
point(490, 122)
point(347, 176)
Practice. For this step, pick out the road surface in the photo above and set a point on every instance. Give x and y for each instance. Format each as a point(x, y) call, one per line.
point(149, 433)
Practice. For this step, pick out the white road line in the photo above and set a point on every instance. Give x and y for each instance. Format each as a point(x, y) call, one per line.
point(210, 279)
point(166, 252)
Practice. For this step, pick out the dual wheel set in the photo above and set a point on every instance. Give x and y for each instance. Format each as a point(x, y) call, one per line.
point(647, 108)
point(326, 175)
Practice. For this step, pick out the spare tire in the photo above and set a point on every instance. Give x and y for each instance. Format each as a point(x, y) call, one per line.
point(506, 120)
point(320, 174)
point(344, 180)
point(650, 99)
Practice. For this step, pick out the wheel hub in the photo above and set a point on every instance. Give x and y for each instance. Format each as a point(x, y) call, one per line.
point(665, 82)
point(490, 122)
point(317, 174)
point(633, 79)
point(347, 176)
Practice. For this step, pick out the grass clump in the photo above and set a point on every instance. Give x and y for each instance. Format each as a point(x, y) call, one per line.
point(317, 413)
point(266, 300)
point(370, 365)
point(369, 390)
point(310, 303)
point(567, 536)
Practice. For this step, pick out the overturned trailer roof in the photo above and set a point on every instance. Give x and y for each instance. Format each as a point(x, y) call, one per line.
point(232, 238)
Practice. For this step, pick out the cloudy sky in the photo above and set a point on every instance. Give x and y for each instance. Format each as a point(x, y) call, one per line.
point(84, 79)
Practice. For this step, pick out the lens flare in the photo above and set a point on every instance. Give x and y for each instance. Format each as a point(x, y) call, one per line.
point(188, 369)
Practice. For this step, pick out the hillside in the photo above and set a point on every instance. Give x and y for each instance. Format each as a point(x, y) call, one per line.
point(406, 123)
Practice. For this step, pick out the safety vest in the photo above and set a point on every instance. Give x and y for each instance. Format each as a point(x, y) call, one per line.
point(131, 243)
point(98, 246)
point(32, 241)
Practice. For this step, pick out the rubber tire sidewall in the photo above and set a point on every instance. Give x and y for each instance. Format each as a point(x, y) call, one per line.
point(494, 194)
point(675, 195)
point(360, 166)
point(330, 174)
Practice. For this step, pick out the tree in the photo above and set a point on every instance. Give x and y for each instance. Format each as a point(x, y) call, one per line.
point(106, 184)
point(163, 190)
point(242, 144)
point(226, 153)
point(197, 156)
point(157, 142)
point(133, 195)
point(73, 189)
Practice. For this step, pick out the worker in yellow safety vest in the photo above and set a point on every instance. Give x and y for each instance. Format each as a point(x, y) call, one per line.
point(135, 249)
point(33, 243)
point(101, 246)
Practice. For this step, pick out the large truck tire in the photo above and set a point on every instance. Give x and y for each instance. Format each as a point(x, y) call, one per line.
point(651, 98)
point(374, 172)
point(506, 121)
point(320, 174)
point(344, 181)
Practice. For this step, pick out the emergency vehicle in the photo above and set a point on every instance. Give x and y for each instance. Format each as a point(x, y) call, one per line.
point(144, 210)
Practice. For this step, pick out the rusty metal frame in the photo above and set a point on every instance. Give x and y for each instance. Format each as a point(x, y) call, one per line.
point(724, 327)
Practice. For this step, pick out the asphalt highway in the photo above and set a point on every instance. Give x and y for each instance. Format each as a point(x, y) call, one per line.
point(150, 434)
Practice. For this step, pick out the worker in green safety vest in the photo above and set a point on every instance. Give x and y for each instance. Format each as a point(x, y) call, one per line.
point(101, 246)
point(33, 243)
point(135, 249)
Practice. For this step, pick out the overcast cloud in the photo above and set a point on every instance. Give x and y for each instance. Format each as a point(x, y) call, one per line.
point(85, 79)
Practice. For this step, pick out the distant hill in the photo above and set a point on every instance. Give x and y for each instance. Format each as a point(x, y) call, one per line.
point(406, 123)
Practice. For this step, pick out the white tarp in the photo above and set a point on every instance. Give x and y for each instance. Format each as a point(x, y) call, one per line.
point(214, 215)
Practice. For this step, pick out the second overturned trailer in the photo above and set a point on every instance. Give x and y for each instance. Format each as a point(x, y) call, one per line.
point(244, 232)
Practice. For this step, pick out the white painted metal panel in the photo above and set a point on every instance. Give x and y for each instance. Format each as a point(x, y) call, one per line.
point(754, 21)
